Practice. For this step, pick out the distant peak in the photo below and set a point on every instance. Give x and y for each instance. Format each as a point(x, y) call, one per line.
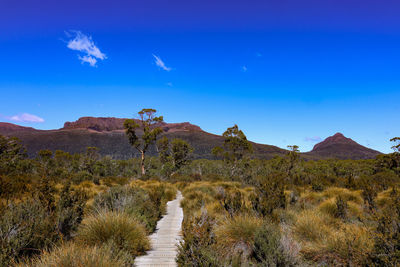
point(337, 138)
point(338, 135)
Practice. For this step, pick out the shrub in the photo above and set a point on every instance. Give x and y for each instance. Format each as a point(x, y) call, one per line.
point(197, 248)
point(72, 255)
point(116, 229)
point(341, 208)
point(25, 229)
point(267, 248)
point(69, 211)
point(269, 194)
point(134, 201)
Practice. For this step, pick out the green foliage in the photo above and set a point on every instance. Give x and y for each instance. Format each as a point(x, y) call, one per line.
point(387, 239)
point(11, 152)
point(235, 147)
point(163, 149)
point(25, 229)
point(196, 250)
point(70, 208)
point(180, 151)
point(134, 201)
point(341, 208)
point(149, 132)
point(267, 248)
point(269, 194)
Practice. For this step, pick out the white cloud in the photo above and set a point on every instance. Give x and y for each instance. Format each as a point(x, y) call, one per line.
point(26, 117)
point(84, 44)
point(91, 60)
point(313, 139)
point(161, 63)
point(244, 68)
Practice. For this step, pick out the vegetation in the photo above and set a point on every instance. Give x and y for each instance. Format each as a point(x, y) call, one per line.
point(148, 135)
point(62, 209)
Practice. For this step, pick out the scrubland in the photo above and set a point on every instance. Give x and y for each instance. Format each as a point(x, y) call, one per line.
point(86, 210)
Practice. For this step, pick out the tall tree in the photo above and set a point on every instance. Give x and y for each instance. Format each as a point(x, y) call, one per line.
point(235, 148)
point(180, 153)
point(174, 155)
point(11, 152)
point(147, 125)
point(293, 156)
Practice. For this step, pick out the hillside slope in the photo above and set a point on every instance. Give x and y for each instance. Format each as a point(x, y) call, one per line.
point(108, 135)
point(340, 147)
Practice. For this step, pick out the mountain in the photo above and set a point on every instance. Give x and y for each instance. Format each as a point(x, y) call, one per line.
point(108, 135)
point(340, 147)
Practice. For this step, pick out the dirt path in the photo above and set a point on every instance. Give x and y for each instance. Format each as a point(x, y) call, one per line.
point(165, 239)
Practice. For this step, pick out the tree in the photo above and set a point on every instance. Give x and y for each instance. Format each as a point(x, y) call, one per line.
point(293, 156)
point(396, 147)
point(180, 153)
point(163, 149)
point(11, 152)
point(147, 124)
point(174, 155)
point(235, 147)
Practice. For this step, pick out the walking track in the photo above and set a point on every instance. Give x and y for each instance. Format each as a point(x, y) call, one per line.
point(165, 239)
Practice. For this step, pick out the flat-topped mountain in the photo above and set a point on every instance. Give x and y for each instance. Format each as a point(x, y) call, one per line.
point(102, 124)
point(107, 133)
point(341, 147)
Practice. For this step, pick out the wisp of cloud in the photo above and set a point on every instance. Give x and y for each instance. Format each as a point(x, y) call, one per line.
point(26, 117)
point(161, 63)
point(85, 45)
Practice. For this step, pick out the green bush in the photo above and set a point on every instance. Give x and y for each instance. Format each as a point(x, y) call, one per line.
point(197, 248)
point(267, 247)
point(25, 229)
point(132, 200)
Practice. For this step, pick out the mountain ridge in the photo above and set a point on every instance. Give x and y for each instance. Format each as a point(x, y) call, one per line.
point(107, 133)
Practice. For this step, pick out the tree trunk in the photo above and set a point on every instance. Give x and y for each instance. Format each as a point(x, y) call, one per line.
point(142, 164)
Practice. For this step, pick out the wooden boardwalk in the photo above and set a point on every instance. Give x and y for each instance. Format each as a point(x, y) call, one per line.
point(165, 239)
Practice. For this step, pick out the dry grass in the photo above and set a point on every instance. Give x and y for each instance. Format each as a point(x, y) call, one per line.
point(237, 235)
point(313, 226)
point(118, 230)
point(315, 198)
point(72, 255)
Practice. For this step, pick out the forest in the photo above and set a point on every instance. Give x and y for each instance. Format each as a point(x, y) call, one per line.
point(62, 209)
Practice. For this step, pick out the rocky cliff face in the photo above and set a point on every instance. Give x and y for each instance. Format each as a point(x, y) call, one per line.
point(96, 123)
point(102, 124)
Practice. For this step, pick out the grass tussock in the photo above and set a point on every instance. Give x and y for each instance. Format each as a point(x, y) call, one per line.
point(237, 235)
point(116, 229)
point(73, 255)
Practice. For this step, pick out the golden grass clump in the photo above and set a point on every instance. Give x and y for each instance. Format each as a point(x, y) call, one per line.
point(344, 193)
point(73, 255)
point(237, 234)
point(351, 243)
point(116, 229)
point(315, 198)
point(312, 226)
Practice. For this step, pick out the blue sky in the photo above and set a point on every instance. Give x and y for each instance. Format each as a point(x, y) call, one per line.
point(286, 73)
